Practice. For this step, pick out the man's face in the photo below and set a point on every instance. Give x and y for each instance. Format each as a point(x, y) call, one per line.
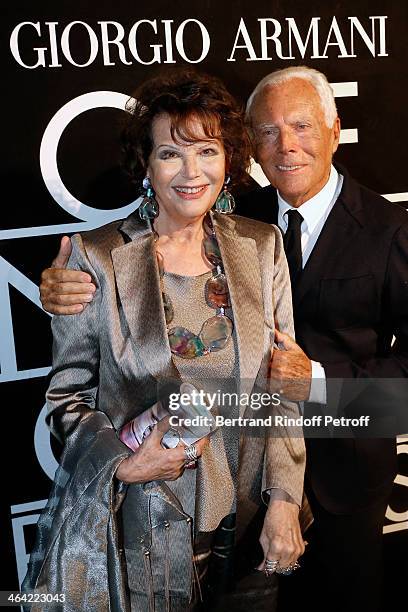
point(292, 141)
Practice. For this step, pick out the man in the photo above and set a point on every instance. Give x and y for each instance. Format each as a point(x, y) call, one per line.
point(349, 277)
point(347, 252)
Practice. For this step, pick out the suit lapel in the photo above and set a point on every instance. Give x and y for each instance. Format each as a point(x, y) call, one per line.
point(138, 284)
point(341, 228)
point(267, 205)
point(273, 206)
point(241, 264)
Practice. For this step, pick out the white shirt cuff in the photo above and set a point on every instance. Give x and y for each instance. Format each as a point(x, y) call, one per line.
point(318, 394)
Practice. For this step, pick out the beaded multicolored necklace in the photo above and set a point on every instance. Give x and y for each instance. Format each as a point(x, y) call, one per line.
point(215, 331)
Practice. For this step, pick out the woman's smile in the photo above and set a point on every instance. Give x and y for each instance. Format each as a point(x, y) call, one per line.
point(190, 193)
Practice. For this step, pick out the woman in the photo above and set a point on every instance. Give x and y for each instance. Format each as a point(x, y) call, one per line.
point(183, 295)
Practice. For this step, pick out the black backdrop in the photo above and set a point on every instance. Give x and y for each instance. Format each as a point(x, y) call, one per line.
point(359, 44)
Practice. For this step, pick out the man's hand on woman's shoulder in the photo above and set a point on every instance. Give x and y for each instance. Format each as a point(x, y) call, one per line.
point(63, 291)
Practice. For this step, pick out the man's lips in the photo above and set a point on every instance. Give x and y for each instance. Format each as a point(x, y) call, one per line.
point(289, 167)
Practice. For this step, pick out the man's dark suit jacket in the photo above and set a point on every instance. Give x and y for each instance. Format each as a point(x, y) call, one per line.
point(350, 300)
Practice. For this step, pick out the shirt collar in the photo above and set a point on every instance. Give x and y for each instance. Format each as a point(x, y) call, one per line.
point(312, 210)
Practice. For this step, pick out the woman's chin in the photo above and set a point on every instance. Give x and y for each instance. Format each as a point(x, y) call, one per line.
point(191, 210)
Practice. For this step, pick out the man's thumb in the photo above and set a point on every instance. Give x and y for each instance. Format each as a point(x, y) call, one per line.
point(284, 340)
point(61, 259)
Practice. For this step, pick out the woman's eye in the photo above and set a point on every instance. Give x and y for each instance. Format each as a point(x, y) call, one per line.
point(168, 155)
point(209, 151)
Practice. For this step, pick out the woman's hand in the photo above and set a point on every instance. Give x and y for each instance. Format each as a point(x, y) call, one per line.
point(153, 462)
point(281, 538)
point(65, 291)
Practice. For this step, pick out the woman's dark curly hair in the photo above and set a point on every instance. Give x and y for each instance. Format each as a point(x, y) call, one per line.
point(185, 95)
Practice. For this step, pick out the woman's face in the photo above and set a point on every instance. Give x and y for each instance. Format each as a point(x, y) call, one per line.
point(186, 177)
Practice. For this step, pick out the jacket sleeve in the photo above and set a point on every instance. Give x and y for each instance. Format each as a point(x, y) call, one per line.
point(71, 397)
point(285, 448)
point(392, 360)
point(381, 381)
point(78, 526)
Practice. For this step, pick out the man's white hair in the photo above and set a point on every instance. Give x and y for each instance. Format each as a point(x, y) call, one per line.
point(316, 78)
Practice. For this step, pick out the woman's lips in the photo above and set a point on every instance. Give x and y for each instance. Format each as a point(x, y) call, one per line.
point(190, 193)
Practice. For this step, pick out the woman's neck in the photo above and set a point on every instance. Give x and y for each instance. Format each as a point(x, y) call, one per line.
point(181, 246)
point(180, 230)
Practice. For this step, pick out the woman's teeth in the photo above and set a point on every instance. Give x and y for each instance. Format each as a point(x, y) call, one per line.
point(189, 189)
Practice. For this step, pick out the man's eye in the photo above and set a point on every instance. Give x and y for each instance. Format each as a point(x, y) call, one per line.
point(268, 131)
point(302, 126)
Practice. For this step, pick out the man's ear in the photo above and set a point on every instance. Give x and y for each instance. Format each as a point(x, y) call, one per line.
point(336, 134)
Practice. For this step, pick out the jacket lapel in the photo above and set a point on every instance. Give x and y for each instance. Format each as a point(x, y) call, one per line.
point(272, 205)
point(241, 264)
point(138, 284)
point(341, 229)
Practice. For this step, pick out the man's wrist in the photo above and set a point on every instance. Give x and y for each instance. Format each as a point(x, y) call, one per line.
point(275, 494)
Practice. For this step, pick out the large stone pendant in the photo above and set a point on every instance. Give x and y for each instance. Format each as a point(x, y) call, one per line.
point(216, 332)
point(212, 250)
point(216, 291)
point(186, 344)
point(168, 308)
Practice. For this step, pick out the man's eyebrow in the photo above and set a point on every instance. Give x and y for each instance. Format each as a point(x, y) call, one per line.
point(265, 125)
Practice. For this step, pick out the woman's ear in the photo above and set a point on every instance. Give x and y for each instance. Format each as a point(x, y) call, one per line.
point(140, 159)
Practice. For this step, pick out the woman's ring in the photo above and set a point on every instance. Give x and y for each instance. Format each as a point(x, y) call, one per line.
point(190, 453)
